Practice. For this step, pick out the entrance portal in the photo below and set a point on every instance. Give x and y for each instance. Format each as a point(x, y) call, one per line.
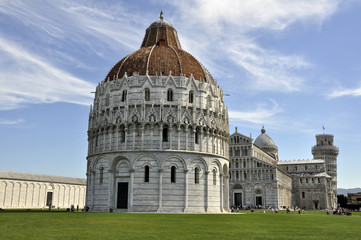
point(49, 199)
point(259, 201)
point(122, 200)
point(316, 204)
point(238, 199)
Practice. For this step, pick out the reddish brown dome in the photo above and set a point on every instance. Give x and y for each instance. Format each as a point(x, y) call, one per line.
point(160, 54)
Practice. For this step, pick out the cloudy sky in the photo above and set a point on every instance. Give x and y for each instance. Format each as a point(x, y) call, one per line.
point(293, 66)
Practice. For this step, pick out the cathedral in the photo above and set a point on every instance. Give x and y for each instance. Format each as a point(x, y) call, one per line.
point(259, 179)
point(158, 132)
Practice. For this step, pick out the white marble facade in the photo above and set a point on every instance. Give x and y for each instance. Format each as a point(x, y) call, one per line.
point(25, 190)
point(258, 178)
point(158, 142)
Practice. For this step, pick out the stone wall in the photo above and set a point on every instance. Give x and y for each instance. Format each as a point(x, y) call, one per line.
point(32, 194)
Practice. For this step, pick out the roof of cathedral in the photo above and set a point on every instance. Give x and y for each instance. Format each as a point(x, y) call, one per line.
point(160, 54)
point(263, 140)
point(302, 161)
point(303, 174)
point(41, 178)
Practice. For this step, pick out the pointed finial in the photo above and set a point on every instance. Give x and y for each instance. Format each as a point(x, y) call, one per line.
point(263, 130)
point(161, 14)
point(236, 129)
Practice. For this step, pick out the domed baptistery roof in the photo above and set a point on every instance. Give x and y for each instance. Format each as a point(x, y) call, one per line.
point(160, 54)
point(266, 143)
point(158, 132)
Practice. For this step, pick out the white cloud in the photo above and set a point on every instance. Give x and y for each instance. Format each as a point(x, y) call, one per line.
point(11, 122)
point(263, 113)
point(346, 92)
point(248, 15)
point(227, 31)
point(37, 81)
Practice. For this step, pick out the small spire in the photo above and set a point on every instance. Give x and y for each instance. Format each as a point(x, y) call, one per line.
point(236, 129)
point(161, 14)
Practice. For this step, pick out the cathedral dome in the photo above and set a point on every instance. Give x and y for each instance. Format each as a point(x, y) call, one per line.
point(160, 54)
point(266, 143)
point(264, 140)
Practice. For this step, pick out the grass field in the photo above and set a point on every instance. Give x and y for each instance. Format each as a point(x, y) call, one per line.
point(247, 225)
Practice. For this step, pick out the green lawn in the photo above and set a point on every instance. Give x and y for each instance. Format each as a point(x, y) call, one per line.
point(67, 225)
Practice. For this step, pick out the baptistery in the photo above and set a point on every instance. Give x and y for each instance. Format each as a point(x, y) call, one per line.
point(158, 132)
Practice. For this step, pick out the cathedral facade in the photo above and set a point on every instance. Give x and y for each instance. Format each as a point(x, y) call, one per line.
point(259, 179)
point(158, 133)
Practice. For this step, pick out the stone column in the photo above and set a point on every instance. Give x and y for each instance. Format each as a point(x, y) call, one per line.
point(142, 129)
point(217, 143)
point(221, 190)
point(111, 191)
point(200, 140)
point(207, 190)
point(134, 130)
point(126, 137)
point(170, 136)
point(226, 204)
point(118, 130)
point(213, 147)
point(131, 183)
point(160, 190)
point(179, 137)
point(151, 136)
point(161, 137)
point(186, 131)
point(194, 140)
point(93, 189)
point(110, 139)
point(104, 140)
point(207, 139)
point(185, 189)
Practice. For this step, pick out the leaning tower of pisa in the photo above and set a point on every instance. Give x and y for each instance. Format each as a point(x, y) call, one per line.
point(325, 149)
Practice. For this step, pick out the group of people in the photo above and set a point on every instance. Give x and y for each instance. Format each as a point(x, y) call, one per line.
point(339, 211)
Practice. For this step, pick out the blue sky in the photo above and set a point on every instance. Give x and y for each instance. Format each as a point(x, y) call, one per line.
point(293, 66)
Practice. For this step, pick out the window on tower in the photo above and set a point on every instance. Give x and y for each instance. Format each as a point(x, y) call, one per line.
point(124, 96)
point(191, 97)
point(196, 175)
point(170, 95)
point(146, 94)
point(165, 134)
point(146, 173)
point(172, 174)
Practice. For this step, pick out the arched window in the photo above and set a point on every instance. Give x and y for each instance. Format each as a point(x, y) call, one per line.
point(101, 172)
point(170, 95)
point(190, 96)
point(165, 134)
point(172, 174)
point(107, 99)
point(122, 136)
point(146, 173)
point(214, 177)
point(196, 136)
point(124, 96)
point(146, 94)
point(196, 175)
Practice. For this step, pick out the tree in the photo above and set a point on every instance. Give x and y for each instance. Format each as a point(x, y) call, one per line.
point(342, 200)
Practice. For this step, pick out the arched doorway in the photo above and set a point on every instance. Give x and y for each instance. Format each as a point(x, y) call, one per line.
point(237, 195)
